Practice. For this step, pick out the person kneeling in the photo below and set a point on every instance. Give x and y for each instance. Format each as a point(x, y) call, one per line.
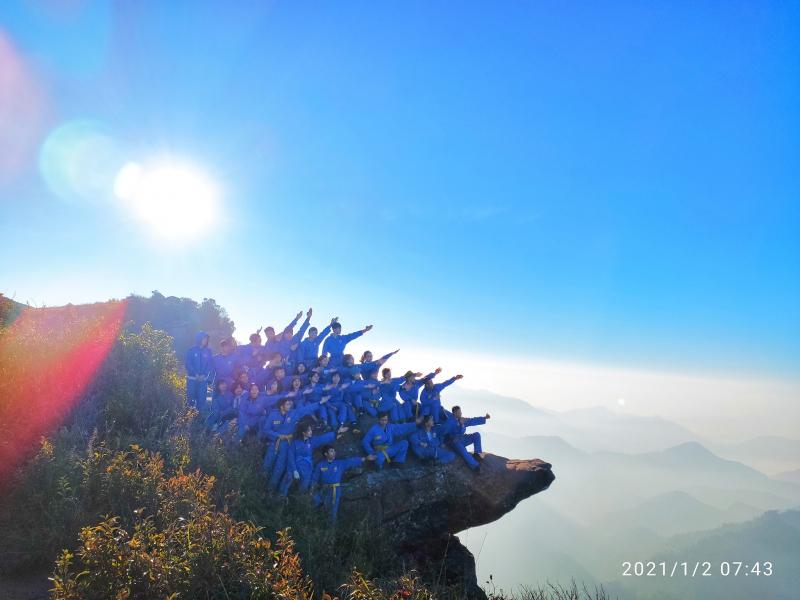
point(427, 445)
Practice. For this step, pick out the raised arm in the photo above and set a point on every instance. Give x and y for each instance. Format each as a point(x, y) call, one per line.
point(294, 321)
point(297, 337)
point(351, 336)
point(440, 386)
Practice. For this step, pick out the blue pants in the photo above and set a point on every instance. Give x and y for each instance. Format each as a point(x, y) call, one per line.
point(433, 408)
point(411, 410)
point(396, 453)
point(196, 391)
point(344, 413)
point(305, 469)
point(459, 445)
point(275, 462)
point(329, 497)
point(393, 408)
point(441, 456)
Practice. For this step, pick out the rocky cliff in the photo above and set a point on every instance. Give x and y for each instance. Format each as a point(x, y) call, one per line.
point(422, 507)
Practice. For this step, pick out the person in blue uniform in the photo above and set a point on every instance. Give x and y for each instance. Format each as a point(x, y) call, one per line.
point(384, 440)
point(199, 365)
point(388, 387)
point(409, 393)
point(252, 409)
point(247, 355)
point(454, 431)
point(223, 405)
point(288, 338)
point(428, 445)
point(273, 341)
point(224, 362)
point(328, 474)
point(430, 399)
point(335, 343)
point(314, 392)
point(278, 428)
point(308, 351)
point(370, 366)
point(300, 465)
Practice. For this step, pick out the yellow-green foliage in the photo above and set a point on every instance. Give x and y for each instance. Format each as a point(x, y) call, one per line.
point(186, 549)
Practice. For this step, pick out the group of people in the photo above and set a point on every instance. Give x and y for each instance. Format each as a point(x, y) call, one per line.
point(297, 398)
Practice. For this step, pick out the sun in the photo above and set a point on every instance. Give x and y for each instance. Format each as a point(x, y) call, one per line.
point(175, 199)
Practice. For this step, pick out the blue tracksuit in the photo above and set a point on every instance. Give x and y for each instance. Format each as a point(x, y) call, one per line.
point(276, 424)
point(251, 413)
point(358, 394)
point(410, 397)
point(274, 345)
point(455, 434)
point(329, 473)
point(429, 446)
point(389, 403)
point(199, 365)
point(285, 346)
point(372, 366)
point(315, 393)
point(223, 409)
point(335, 345)
point(246, 356)
point(430, 400)
point(299, 459)
point(385, 443)
point(308, 351)
point(224, 366)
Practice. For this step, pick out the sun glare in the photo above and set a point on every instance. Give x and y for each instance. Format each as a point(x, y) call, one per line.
point(175, 200)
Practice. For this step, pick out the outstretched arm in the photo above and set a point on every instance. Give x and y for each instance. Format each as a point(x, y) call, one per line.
point(299, 335)
point(294, 321)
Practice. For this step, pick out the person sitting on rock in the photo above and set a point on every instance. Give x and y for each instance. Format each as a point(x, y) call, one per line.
point(223, 407)
point(427, 445)
point(430, 397)
point(383, 440)
point(278, 428)
point(299, 465)
point(453, 430)
point(409, 393)
point(314, 392)
point(328, 474)
point(336, 342)
point(388, 388)
point(308, 350)
point(252, 409)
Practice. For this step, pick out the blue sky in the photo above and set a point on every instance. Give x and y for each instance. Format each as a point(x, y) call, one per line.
point(612, 183)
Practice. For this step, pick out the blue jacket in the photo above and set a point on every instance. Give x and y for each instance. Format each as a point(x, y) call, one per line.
point(452, 428)
point(412, 394)
point(251, 411)
point(275, 345)
point(284, 346)
point(427, 395)
point(388, 389)
point(224, 366)
point(303, 450)
point(370, 367)
point(278, 423)
point(421, 439)
point(328, 472)
point(223, 406)
point(335, 345)
point(246, 356)
point(308, 351)
point(199, 361)
point(379, 436)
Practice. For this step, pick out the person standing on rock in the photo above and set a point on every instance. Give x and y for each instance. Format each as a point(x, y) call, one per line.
point(199, 366)
point(278, 428)
point(300, 465)
point(336, 342)
point(308, 351)
point(224, 362)
point(454, 432)
point(383, 441)
point(409, 393)
point(328, 475)
point(427, 445)
point(430, 400)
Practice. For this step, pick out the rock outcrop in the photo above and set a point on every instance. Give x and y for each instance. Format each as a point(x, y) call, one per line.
point(421, 507)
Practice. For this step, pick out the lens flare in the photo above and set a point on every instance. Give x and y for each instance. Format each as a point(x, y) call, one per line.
point(48, 356)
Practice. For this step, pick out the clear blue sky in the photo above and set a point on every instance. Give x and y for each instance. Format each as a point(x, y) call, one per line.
point(612, 182)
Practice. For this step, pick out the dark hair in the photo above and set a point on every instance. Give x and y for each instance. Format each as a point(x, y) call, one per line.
point(297, 368)
point(383, 414)
point(426, 418)
point(455, 408)
point(364, 355)
point(327, 447)
point(310, 329)
point(284, 400)
point(319, 359)
point(255, 336)
point(336, 374)
point(301, 427)
point(295, 378)
point(336, 325)
point(238, 384)
point(218, 383)
point(385, 370)
point(251, 384)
